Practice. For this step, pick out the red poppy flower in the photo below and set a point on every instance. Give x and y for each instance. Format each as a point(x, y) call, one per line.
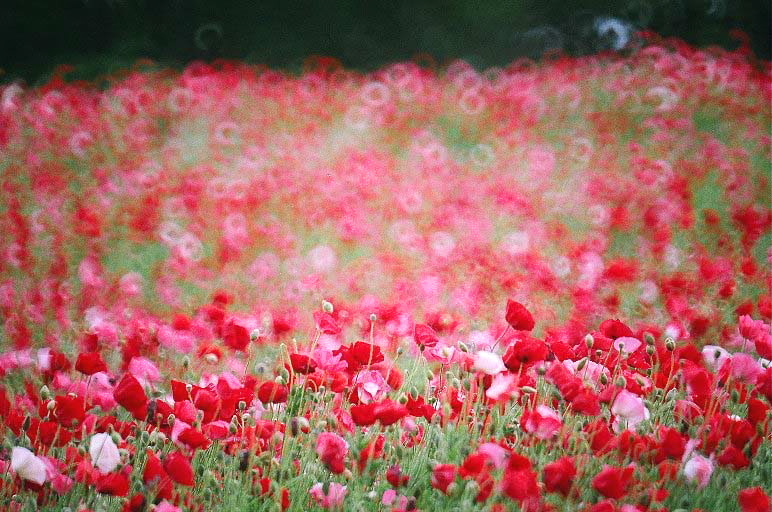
point(442, 476)
point(672, 444)
point(615, 329)
point(114, 484)
point(732, 456)
point(178, 467)
point(612, 482)
point(135, 504)
point(524, 353)
point(272, 392)
point(365, 353)
point(194, 439)
point(396, 477)
point(58, 362)
point(559, 475)
point(586, 402)
point(181, 322)
point(130, 394)
point(425, 337)
point(754, 499)
point(389, 412)
point(520, 484)
point(518, 317)
point(89, 363)
point(235, 336)
point(363, 414)
point(373, 450)
point(68, 410)
point(301, 363)
point(154, 473)
point(474, 465)
point(419, 408)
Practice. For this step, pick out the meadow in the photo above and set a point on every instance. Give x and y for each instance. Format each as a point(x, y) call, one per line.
point(543, 287)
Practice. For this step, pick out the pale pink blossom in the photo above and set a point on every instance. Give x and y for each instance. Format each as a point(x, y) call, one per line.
point(590, 372)
point(165, 506)
point(496, 453)
point(144, 370)
point(502, 387)
point(370, 386)
point(443, 354)
point(334, 497)
point(714, 357)
point(698, 469)
point(627, 343)
point(629, 407)
point(489, 363)
point(59, 482)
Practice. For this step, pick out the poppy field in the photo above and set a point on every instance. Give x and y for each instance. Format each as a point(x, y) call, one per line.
point(543, 287)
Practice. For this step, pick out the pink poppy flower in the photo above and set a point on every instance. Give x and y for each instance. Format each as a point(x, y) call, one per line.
point(334, 497)
point(629, 407)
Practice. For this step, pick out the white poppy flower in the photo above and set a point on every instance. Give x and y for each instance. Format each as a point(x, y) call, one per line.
point(104, 453)
point(29, 467)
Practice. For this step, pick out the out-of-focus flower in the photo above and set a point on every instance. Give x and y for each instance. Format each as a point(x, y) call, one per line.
point(754, 499)
point(332, 450)
point(559, 475)
point(334, 497)
point(612, 482)
point(543, 422)
point(698, 469)
point(488, 362)
point(442, 476)
point(29, 467)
